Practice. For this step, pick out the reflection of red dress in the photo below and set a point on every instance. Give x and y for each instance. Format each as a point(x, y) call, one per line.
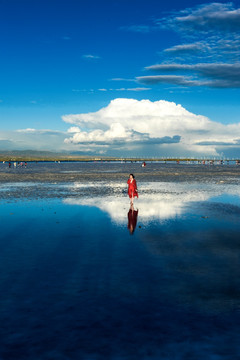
point(132, 188)
point(132, 219)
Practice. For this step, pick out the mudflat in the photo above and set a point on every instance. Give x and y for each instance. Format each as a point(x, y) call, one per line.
point(72, 172)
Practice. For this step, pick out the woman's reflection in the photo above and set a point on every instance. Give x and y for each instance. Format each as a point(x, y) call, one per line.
point(132, 219)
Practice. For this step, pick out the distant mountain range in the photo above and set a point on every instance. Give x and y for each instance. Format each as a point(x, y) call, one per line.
point(34, 154)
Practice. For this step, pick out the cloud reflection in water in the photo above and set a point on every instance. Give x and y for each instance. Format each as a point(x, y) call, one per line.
point(157, 200)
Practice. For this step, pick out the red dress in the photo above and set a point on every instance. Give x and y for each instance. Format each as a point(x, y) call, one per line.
point(132, 188)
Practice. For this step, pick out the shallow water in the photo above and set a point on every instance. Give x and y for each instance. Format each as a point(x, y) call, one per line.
point(115, 167)
point(76, 284)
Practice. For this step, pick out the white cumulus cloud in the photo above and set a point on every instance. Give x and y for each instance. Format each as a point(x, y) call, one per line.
point(159, 127)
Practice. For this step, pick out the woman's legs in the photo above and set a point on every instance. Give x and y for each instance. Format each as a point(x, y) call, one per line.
point(131, 201)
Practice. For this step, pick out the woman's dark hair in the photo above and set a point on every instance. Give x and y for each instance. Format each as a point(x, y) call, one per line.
point(132, 175)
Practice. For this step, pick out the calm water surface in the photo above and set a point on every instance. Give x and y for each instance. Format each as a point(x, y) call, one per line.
point(85, 277)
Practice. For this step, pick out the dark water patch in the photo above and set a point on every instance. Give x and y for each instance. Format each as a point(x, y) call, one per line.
point(76, 285)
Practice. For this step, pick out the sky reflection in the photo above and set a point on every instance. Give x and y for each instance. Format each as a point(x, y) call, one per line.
point(71, 267)
point(157, 200)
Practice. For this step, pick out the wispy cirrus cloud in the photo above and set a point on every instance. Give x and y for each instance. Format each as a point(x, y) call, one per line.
point(171, 79)
point(134, 89)
point(209, 50)
point(217, 75)
point(137, 89)
point(214, 28)
point(185, 48)
point(213, 17)
point(91, 57)
point(188, 81)
point(122, 79)
point(204, 18)
point(221, 70)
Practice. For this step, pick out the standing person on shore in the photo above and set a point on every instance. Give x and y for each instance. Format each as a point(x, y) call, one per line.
point(132, 188)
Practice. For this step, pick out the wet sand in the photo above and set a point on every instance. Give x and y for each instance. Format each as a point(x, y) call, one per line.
point(53, 180)
point(73, 172)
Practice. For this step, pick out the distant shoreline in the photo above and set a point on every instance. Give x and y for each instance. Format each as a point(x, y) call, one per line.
point(19, 158)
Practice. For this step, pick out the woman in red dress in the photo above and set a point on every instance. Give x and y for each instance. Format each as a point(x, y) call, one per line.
point(132, 188)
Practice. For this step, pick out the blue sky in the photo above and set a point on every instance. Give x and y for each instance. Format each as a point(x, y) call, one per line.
point(76, 62)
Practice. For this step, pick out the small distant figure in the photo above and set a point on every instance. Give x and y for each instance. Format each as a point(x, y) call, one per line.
point(132, 219)
point(132, 188)
point(25, 164)
point(143, 164)
point(15, 164)
point(9, 164)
